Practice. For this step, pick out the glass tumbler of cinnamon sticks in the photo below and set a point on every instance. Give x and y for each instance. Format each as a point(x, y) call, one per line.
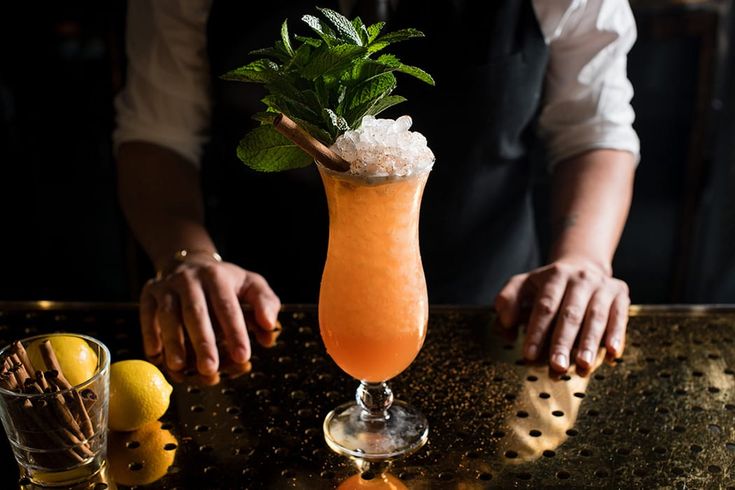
point(58, 432)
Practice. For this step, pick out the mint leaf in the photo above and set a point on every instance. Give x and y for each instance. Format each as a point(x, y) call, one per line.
point(331, 60)
point(371, 89)
point(272, 53)
point(342, 25)
point(384, 103)
point(374, 30)
point(317, 26)
point(287, 105)
point(310, 41)
point(361, 30)
point(394, 63)
point(285, 38)
point(301, 57)
point(259, 71)
point(385, 40)
point(265, 117)
point(266, 150)
point(365, 95)
point(416, 72)
point(364, 70)
point(314, 130)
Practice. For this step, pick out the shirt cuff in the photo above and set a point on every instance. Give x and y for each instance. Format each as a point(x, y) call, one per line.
point(592, 136)
point(190, 149)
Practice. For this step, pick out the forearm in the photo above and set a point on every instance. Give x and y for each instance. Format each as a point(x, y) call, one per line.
point(160, 194)
point(591, 197)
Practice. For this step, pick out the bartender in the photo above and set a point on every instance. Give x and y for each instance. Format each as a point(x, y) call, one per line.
point(219, 233)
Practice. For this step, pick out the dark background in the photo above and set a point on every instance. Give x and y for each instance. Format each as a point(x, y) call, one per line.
point(62, 236)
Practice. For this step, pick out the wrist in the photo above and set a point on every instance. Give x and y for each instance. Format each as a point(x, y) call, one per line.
point(196, 255)
point(586, 261)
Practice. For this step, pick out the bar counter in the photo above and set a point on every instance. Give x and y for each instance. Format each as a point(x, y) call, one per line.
point(662, 416)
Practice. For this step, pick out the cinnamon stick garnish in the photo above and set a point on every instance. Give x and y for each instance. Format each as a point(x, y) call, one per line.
point(321, 153)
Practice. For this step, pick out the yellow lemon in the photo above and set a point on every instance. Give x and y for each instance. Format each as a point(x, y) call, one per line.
point(76, 358)
point(142, 456)
point(139, 394)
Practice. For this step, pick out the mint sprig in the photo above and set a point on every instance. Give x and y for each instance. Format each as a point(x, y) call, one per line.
point(326, 84)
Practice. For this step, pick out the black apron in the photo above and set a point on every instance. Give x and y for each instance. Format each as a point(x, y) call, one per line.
point(477, 229)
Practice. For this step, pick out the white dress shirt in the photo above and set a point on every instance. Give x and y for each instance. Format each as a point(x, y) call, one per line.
point(586, 98)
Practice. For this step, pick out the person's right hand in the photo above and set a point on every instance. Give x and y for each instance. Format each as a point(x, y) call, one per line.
point(178, 306)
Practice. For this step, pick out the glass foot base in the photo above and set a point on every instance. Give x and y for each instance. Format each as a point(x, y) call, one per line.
point(349, 431)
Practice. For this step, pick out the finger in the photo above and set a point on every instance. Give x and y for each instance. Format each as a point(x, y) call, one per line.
point(150, 331)
point(546, 304)
point(571, 315)
point(197, 323)
point(227, 309)
point(267, 338)
point(235, 370)
point(508, 301)
point(617, 324)
point(260, 296)
point(169, 319)
point(595, 323)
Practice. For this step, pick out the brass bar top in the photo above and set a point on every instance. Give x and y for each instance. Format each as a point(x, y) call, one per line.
point(662, 416)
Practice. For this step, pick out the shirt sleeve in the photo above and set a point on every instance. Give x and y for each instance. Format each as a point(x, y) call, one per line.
point(166, 97)
point(587, 91)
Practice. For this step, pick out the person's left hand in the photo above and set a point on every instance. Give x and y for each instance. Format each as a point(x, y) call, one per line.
point(572, 295)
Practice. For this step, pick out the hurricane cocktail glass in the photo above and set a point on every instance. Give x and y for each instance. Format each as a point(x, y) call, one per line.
point(373, 308)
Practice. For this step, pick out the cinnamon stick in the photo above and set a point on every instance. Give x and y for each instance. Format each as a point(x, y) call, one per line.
point(59, 406)
point(66, 428)
point(34, 412)
point(20, 351)
point(20, 373)
point(9, 382)
point(89, 398)
point(74, 401)
point(321, 153)
point(29, 431)
point(52, 363)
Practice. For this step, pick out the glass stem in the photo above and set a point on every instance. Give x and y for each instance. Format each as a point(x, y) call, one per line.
point(375, 399)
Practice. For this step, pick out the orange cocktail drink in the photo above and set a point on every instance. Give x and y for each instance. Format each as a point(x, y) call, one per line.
point(373, 305)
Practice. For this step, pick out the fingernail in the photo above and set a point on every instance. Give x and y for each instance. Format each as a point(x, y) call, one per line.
point(532, 351)
point(586, 356)
point(561, 360)
point(616, 346)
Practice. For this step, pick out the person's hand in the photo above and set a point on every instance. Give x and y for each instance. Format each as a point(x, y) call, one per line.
point(178, 306)
point(570, 298)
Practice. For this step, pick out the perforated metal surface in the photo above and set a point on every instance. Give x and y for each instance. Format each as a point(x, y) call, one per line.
point(660, 417)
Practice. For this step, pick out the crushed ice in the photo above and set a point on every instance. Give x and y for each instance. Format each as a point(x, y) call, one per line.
point(384, 147)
